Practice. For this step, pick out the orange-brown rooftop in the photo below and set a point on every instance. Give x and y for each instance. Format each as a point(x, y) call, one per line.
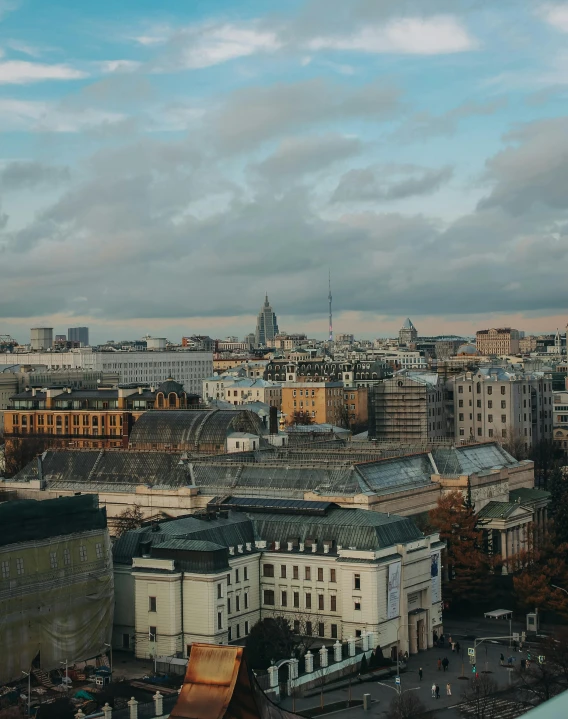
point(219, 684)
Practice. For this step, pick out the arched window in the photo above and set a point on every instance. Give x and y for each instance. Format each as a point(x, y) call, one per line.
point(172, 399)
point(160, 400)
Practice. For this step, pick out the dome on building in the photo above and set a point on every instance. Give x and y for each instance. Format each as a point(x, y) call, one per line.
point(170, 385)
point(467, 350)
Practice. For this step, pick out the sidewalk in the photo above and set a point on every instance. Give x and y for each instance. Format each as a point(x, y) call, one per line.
point(382, 694)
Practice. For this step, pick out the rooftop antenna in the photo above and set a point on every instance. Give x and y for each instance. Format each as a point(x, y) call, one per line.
point(330, 315)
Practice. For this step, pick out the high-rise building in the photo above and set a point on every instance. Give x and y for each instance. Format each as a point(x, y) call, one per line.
point(408, 333)
point(266, 325)
point(41, 338)
point(79, 334)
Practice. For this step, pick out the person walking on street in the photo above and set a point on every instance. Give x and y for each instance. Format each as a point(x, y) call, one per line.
point(449, 689)
point(437, 691)
point(433, 691)
point(420, 673)
point(501, 659)
point(439, 664)
point(445, 663)
point(450, 642)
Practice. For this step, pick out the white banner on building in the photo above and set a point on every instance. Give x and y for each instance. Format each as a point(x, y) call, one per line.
point(393, 597)
point(435, 577)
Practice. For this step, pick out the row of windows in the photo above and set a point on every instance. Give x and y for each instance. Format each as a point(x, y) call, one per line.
point(490, 403)
point(269, 598)
point(237, 631)
point(268, 571)
point(54, 560)
point(238, 603)
point(237, 577)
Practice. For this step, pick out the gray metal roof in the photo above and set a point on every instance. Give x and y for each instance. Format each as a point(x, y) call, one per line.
point(394, 475)
point(261, 504)
point(357, 528)
point(497, 510)
point(190, 428)
point(472, 459)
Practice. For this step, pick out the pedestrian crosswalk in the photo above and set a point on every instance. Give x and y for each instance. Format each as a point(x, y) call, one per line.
point(498, 708)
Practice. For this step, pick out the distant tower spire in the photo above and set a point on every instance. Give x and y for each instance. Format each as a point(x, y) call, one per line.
point(330, 315)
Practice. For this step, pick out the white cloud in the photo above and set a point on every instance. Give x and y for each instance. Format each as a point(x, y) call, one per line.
point(556, 15)
point(19, 72)
point(218, 44)
point(35, 116)
point(112, 66)
point(441, 34)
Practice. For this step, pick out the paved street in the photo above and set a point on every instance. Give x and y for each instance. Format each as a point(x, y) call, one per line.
point(382, 694)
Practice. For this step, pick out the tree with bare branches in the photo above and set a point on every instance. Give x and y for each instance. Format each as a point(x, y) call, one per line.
point(479, 697)
point(130, 518)
point(406, 706)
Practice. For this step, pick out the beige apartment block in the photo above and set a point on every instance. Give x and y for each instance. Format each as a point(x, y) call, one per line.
point(512, 407)
point(498, 341)
point(333, 573)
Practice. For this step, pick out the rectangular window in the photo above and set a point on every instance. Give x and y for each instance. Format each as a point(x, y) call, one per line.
point(152, 634)
point(83, 553)
point(460, 403)
point(238, 631)
point(460, 389)
point(320, 602)
point(502, 390)
point(503, 433)
point(333, 606)
point(66, 557)
point(53, 560)
point(321, 629)
point(5, 569)
point(460, 416)
point(246, 600)
point(237, 580)
point(246, 628)
point(490, 432)
point(268, 570)
point(308, 600)
point(490, 390)
point(332, 575)
point(479, 431)
point(228, 580)
point(296, 600)
point(20, 565)
point(284, 599)
point(99, 550)
point(219, 620)
point(503, 404)
point(228, 605)
point(462, 431)
point(490, 404)
point(490, 418)
point(295, 572)
point(504, 419)
point(309, 629)
point(152, 604)
point(283, 571)
point(357, 581)
point(479, 403)
point(229, 635)
point(358, 606)
point(246, 573)
point(269, 596)
point(334, 631)
point(219, 591)
point(307, 573)
point(296, 626)
point(238, 602)
point(320, 574)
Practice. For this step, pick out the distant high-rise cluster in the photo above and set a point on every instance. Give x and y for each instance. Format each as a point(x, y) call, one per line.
point(79, 334)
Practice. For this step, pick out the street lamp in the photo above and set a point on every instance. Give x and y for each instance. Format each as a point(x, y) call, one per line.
point(29, 676)
point(110, 648)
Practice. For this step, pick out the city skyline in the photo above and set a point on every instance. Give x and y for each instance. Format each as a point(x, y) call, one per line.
point(162, 169)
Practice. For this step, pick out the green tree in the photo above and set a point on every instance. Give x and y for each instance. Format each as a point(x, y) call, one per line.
point(467, 568)
point(270, 640)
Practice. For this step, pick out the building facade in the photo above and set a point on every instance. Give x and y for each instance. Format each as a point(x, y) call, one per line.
point(241, 390)
point(408, 407)
point(408, 334)
point(498, 341)
point(56, 583)
point(266, 326)
point(333, 573)
point(140, 367)
point(351, 374)
point(100, 418)
point(559, 422)
point(324, 402)
point(512, 407)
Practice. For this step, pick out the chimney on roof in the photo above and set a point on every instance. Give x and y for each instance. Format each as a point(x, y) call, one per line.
point(273, 421)
point(33, 391)
point(139, 390)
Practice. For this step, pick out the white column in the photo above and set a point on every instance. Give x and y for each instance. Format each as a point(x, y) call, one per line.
point(324, 656)
point(309, 662)
point(293, 668)
point(273, 674)
point(158, 704)
point(351, 643)
point(133, 706)
point(365, 641)
point(337, 653)
point(107, 711)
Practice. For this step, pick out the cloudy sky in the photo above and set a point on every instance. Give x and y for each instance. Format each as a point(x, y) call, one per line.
point(163, 164)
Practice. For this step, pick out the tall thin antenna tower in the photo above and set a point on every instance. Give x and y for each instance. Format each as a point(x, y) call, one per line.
point(330, 315)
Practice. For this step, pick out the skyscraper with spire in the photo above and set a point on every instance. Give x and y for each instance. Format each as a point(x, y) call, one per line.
point(266, 325)
point(330, 315)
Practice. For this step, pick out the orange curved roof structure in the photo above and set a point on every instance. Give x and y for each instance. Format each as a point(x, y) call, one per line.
point(218, 684)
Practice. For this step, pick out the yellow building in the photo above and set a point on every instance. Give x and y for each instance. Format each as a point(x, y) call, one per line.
point(324, 402)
